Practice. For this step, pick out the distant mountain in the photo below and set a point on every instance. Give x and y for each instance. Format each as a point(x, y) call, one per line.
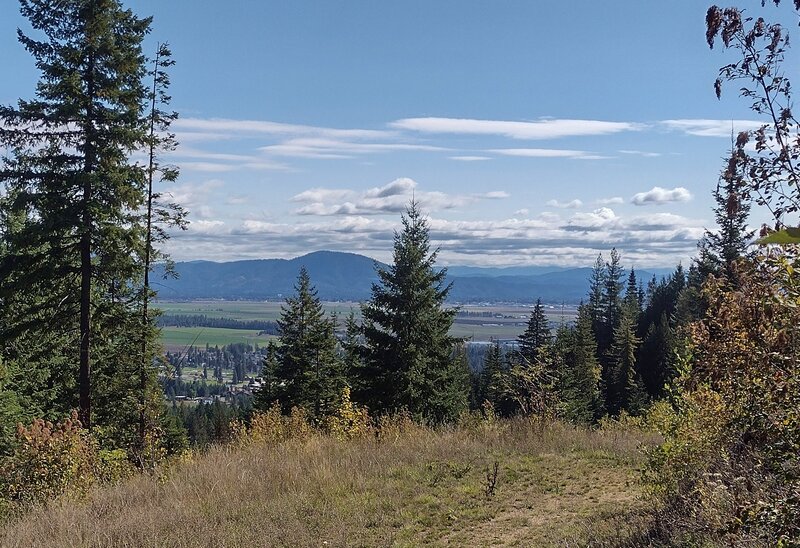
point(337, 276)
point(348, 276)
point(494, 272)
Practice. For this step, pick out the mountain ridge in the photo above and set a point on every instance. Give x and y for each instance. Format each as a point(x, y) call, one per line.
point(341, 276)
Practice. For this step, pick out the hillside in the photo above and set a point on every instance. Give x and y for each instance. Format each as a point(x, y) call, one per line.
point(413, 487)
point(348, 276)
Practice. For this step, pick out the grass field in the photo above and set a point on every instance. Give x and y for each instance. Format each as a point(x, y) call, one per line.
point(180, 337)
point(556, 485)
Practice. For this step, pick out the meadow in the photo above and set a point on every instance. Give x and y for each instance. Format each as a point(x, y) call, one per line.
point(507, 483)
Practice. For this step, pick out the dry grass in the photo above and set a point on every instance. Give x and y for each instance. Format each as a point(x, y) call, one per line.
point(418, 488)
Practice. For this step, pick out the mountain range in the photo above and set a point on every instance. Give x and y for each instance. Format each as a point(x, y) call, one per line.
point(349, 277)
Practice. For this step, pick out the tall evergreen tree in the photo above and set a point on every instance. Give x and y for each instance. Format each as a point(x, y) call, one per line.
point(612, 294)
point(537, 334)
point(623, 386)
point(80, 245)
point(582, 398)
point(309, 369)
point(352, 352)
point(729, 242)
point(409, 353)
point(490, 375)
point(597, 282)
point(632, 299)
point(656, 358)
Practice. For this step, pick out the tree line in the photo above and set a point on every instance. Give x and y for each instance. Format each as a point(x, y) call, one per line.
point(265, 327)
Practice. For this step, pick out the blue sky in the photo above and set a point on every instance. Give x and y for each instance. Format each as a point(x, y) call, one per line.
point(530, 132)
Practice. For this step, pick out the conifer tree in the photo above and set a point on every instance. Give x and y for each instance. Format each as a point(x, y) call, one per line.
point(597, 282)
point(309, 369)
point(490, 375)
point(656, 358)
point(80, 245)
point(612, 293)
point(632, 299)
point(582, 397)
point(537, 334)
point(408, 352)
point(720, 249)
point(157, 217)
point(623, 385)
point(352, 352)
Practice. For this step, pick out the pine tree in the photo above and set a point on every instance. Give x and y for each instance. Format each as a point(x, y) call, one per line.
point(623, 385)
point(309, 368)
point(537, 334)
point(269, 392)
point(80, 245)
point(352, 352)
point(721, 249)
point(408, 353)
point(632, 301)
point(490, 375)
point(656, 356)
point(158, 216)
point(582, 397)
point(597, 282)
point(612, 294)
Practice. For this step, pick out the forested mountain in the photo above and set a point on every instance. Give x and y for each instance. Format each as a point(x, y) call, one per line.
point(348, 276)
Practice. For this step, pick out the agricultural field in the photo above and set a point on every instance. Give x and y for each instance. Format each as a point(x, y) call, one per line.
point(181, 337)
point(477, 323)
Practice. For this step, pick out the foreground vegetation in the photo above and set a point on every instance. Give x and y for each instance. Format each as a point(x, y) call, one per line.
point(403, 485)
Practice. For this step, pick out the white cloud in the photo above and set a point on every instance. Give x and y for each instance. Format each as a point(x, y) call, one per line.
point(206, 226)
point(398, 187)
point(393, 197)
point(541, 129)
point(522, 212)
point(323, 195)
point(572, 204)
point(610, 201)
point(660, 239)
point(658, 196)
point(470, 158)
point(545, 153)
point(224, 126)
point(493, 195)
point(640, 153)
point(335, 148)
point(711, 128)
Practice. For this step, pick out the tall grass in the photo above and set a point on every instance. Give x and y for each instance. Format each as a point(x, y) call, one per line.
point(407, 487)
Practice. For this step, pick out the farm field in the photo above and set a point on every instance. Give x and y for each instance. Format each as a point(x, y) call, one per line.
point(181, 337)
point(477, 323)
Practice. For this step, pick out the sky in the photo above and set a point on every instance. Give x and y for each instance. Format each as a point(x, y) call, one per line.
point(530, 133)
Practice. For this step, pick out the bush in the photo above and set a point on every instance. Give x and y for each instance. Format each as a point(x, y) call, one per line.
point(348, 421)
point(729, 468)
point(272, 426)
point(48, 461)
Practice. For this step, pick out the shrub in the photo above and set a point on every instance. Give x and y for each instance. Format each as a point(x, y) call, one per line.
point(348, 421)
point(729, 467)
point(272, 426)
point(48, 461)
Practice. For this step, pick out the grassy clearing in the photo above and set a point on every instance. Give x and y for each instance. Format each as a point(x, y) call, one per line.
point(422, 487)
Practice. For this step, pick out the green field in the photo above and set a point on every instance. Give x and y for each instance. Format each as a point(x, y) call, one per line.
point(180, 337)
point(244, 310)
